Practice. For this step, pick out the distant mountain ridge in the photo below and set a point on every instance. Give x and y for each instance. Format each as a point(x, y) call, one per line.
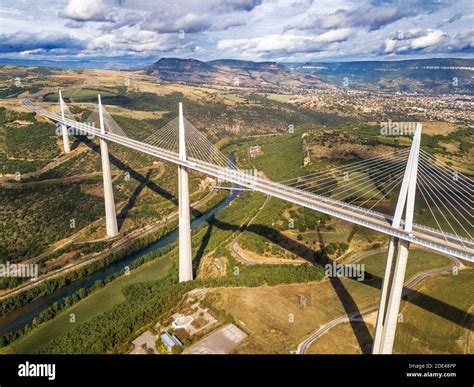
point(428, 76)
point(122, 64)
point(233, 72)
point(438, 75)
point(248, 65)
point(441, 75)
point(194, 64)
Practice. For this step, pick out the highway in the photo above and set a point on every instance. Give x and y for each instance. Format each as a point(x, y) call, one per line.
point(430, 238)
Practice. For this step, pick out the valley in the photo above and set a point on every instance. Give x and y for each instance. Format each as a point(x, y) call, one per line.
point(264, 253)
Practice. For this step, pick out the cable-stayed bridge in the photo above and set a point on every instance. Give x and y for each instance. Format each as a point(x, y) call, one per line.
point(350, 192)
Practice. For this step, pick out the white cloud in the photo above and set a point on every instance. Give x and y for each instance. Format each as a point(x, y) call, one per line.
point(289, 42)
point(338, 35)
point(431, 39)
point(130, 40)
point(189, 23)
point(428, 41)
point(369, 15)
point(85, 10)
point(246, 29)
point(390, 46)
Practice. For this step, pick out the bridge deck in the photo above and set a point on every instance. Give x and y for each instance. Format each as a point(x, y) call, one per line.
point(421, 235)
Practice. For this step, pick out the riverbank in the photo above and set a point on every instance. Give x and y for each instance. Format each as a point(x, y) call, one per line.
point(167, 233)
point(203, 205)
point(111, 295)
point(95, 304)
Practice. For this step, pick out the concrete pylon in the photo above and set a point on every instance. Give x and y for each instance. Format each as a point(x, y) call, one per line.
point(110, 215)
point(397, 256)
point(185, 256)
point(67, 148)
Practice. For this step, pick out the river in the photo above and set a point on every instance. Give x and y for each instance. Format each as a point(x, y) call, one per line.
point(25, 314)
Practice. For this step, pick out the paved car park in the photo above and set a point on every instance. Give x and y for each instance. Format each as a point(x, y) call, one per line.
point(144, 343)
point(222, 341)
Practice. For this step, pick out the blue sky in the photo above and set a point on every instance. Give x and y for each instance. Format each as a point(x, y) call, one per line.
point(280, 30)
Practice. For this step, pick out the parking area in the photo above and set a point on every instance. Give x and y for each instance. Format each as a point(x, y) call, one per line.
point(222, 341)
point(144, 344)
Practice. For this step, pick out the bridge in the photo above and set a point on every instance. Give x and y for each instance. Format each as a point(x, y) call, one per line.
point(336, 192)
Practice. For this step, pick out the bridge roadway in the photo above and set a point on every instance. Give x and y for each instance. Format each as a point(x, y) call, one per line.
point(424, 236)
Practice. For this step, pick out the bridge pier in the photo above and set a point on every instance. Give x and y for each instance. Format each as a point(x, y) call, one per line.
point(110, 215)
point(397, 257)
point(185, 255)
point(67, 148)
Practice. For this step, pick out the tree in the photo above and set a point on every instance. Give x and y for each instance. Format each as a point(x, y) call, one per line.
point(343, 246)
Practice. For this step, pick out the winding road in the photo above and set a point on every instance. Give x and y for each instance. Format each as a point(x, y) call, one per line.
point(234, 251)
point(357, 315)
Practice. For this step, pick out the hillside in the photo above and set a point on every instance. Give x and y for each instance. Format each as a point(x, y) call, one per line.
point(231, 72)
point(432, 76)
point(445, 76)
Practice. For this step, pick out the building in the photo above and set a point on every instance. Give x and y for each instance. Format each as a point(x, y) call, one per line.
point(170, 341)
point(207, 182)
point(255, 150)
point(182, 321)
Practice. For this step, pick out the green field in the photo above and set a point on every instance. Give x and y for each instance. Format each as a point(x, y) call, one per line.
point(97, 303)
point(368, 292)
point(423, 329)
point(81, 95)
point(418, 261)
point(442, 325)
point(281, 158)
point(280, 97)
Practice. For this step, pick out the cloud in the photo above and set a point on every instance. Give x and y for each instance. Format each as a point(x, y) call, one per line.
point(190, 23)
point(133, 42)
point(285, 43)
point(246, 29)
point(371, 16)
point(193, 16)
point(240, 5)
point(42, 42)
point(455, 18)
point(428, 41)
point(339, 35)
point(85, 10)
